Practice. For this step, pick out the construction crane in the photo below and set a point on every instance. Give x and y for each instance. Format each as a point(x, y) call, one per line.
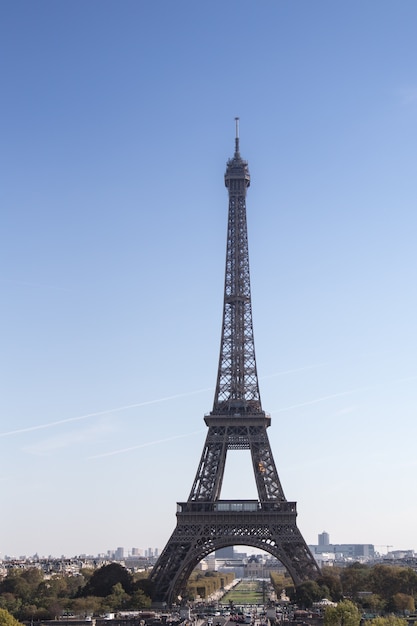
point(384, 546)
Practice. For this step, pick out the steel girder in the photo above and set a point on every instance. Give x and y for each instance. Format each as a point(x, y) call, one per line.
point(226, 433)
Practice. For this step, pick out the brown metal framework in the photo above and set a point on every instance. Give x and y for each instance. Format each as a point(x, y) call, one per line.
point(237, 422)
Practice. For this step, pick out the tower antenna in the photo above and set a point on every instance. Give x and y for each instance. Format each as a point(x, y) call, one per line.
point(237, 137)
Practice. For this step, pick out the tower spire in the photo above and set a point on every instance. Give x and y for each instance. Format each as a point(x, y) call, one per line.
point(237, 153)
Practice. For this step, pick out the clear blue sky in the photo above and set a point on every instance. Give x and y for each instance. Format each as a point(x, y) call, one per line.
point(117, 119)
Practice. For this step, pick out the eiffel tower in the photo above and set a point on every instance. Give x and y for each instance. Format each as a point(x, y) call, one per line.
point(206, 523)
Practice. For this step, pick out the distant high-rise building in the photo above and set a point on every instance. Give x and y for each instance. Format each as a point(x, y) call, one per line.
point(119, 555)
point(135, 552)
point(324, 539)
point(225, 553)
point(343, 551)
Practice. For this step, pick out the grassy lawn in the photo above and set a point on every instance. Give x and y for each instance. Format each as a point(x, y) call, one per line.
point(245, 592)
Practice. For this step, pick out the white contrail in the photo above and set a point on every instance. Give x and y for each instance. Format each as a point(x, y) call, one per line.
point(191, 393)
point(29, 429)
point(317, 400)
point(143, 445)
point(341, 393)
point(97, 413)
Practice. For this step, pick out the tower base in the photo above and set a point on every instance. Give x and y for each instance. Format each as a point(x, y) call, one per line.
point(203, 527)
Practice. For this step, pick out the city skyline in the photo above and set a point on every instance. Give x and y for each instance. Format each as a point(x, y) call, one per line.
point(121, 553)
point(117, 123)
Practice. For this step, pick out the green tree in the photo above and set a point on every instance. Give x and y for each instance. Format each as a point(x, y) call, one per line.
point(389, 620)
point(73, 585)
point(408, 580)
point(373, 602)
point(330, 581)
point(344, 614)
point(10, 602)
point(280, 582)
point(105, 578)
point(23, 584)
point(15, 583)
point(402, 602)
point(33, 576)
point(55, 607)
point(139, 600)
point(118, 598)
point(387, 580)
point(29, 612)
point(88, 605)
point(6, 619)
point(308, 592)
point(355, 578)
point(86, 573)
point(145, 585)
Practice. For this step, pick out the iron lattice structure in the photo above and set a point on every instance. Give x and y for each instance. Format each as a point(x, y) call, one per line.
point(206, 523)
